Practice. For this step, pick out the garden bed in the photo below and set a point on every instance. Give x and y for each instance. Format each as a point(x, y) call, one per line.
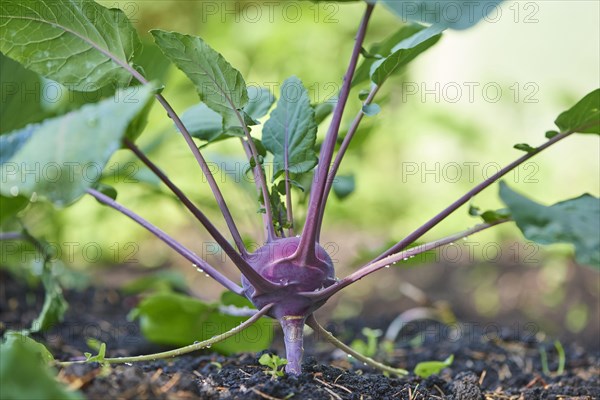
point(505, 365)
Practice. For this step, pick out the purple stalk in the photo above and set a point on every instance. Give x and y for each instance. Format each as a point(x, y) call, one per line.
point(309, 234)
point(238, 260)
point(258, 170)
point(262, 181)
point(267, 216)
point(467, 196)
point(288, 193)
point(12, 236)
point(293, 336)
point(374, 266)
point(340, 155)
point(178, 247)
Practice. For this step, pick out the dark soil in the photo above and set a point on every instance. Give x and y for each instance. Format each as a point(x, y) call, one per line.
point(504, 364)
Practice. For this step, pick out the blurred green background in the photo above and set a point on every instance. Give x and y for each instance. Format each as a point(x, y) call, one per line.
point(446, 124)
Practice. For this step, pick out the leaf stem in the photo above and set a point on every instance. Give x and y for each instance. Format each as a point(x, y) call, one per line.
point(239, 260)
point(415, 235)
point(341, 152)
point(181, 127)
point(178, 247)
point(270, 228)
point(267, 216)
point(286, 176)
point(374, 266)
point(182, 350)
point(309, 234)
point(214, 232)
point(312, 322)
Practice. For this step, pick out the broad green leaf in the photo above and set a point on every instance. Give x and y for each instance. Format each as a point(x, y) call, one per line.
point(344, 186)
point(572, 221)
point(403, 53)
point(24, 372)
point(20, 96)
point(583, 117)
point(78, 43)
point(151, 62)
point(61, 157)
point(175, 319)
point(427, 368)
point(451, 14)
point(260, 100)
point(292, 129)
point(206, 124)
point(220, 86)
point(383, 49)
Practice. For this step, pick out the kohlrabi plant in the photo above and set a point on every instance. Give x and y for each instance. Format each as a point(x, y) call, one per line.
point(87, 47)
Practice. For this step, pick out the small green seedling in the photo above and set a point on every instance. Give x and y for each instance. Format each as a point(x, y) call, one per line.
point(427, 368)
point(368, 348)
point(274, 362)
point(100, 357)
point(561, 359)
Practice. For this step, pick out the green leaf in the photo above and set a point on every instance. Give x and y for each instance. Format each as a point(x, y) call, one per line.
point(55, 305)
point(260, 100)
point(572, 221)
point(99, 358)
point(583, 117)
point(206, 124)
point(344, 186)
point(24, 372)
point(220, 86)
point(454, 15)
point(427, 368)
point(371, 109)
point(61, 157)
point(489, 216)
point(21, 101)
point(383, 49)
point(107, 190)
point(403, 53)
point(278, 208)
point(151, 60)
point(323, 110)
point(524, 147)
point(161, 281)
point(175, 319)
point(274, 362)
point(292, 123)
point(80, 44)
point(10, 206)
